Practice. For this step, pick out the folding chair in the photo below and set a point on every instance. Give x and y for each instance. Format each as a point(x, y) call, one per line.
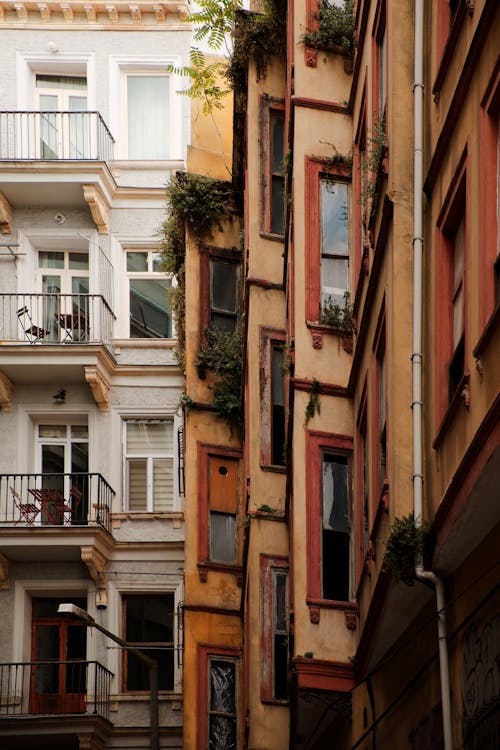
point(27, 511)
point(32, 333)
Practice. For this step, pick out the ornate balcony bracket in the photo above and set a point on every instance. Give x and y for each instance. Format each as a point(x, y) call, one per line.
point(5, 215)
point(99, 207)
point(97, 566)
point(99, 386)
point(4, 572)
point(6, 389)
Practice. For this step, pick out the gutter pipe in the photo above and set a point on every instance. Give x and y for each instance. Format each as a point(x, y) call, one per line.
point(424, 575)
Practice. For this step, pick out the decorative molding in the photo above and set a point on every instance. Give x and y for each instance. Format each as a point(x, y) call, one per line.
point(6, 389)
point(99, 207)
point(320, 674)
point(159, 12)
point(317, 339)
point(135, 12)
point(351, 620)
point(22, 11)
point(5, 215)
point(182, 12)
point(325, 389)
point(44, 11)
point(99, 386)
point(4, 572)
point(90, 13)
point(112, 13)
point(311, 57)
point(321, 104)
point(67, 12)
point(314, 614)
point(97, 565)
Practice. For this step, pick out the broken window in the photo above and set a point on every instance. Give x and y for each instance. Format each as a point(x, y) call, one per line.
point(336, 526)
point(223, 503)
point(222, 719)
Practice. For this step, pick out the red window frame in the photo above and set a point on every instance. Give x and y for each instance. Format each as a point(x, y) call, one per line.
point(315, 170)
point(268, 565)
point(270, 338)
point(489, 197)
point(270, 107)
point(379, 440)
point(204, 656)
point(363, 505)
point(379, 51)
point(455, 209)
point(358, 187)
point(317, 444)
point(208, 254)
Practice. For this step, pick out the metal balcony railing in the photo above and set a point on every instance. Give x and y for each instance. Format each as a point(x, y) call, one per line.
point(41, 500)
point(49, 136)
point(54, 687)
point(55, 319)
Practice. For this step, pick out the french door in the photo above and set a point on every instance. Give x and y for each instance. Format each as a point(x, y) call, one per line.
point(64, 463)
point(63, 126)
point(64, 281)
point(58, 653)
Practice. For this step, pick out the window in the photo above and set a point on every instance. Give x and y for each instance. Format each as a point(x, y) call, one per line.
point(148, 121)
point(222, 716)
point(272, 152)
point(360, 178)
point(223, 293)
point(223, 505)
point(64, 126)
point(148, 624)
point(274, 628)
point(381, 411)
point(149, 465)
point(63, 277)
point(278, 407)
point(451, 289)
point(381, 58)
point(328, 527)
point(149, 305)
point(335, 538)
point(272, 402)
point(327, 238)
point(363, 486)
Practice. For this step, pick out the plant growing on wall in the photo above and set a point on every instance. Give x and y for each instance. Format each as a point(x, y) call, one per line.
point(405, 542)
point(338, 316)
point(336, 28)
point(222, 353)
point(313, 405)
point(371, 169)
point(198, 202)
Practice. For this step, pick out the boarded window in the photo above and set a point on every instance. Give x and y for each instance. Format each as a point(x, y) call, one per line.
point(223, 505)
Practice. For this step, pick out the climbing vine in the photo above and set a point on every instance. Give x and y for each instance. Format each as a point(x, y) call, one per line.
point(222, 353)
point(335, 28)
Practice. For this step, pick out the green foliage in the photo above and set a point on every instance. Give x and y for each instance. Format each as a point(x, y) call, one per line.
point(214, 21)
point(337, 316)
point(313, 405)
point(222, 352)
point(371, 167)
point(205, 80)
point(405, 541)
point(266, 509)
point(336, 28)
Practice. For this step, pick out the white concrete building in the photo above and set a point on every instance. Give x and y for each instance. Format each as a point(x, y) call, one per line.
point(91, 486)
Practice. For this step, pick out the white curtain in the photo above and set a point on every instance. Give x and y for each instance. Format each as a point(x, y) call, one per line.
point(147, 106)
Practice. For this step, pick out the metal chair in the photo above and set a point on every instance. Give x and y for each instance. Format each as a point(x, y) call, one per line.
point(27, 511)
point(32, 333)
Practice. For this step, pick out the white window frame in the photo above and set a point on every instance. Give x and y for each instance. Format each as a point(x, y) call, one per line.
point(149, 459)
point(326, 254)
point(148, 275)
point(28, 64)
point(122, 66)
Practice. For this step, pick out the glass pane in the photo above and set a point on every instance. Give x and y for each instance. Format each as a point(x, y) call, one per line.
point(147, 102)
point(150, 308)
point(53, 459)
point(280, 601)
point(79, 431)
point(163, 484)
point(458, 255)
point(222, 537)
point(149, 437)
point(223, 686)
point(334, 279)
point(334, 217)
point(278, 205)
point(61, 82)
point(47, 642)
point(278, 392)
point(335, 494)
point(223, 285)
point(52, 430)
point(76, 647)
point(49, 127)
point(137, 483)
point(224, 322)
point(50, 259)
point(157, 261)
point(222, 733)
point(79, 261)
point(79, 457)
point(277, 140)
point(138, 672)
point(458, 316)
point(149, 618)
point(137, 261)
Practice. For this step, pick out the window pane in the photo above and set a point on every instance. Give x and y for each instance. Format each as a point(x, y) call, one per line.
point(157, 261)
point(150, 308)
point(222, 537)
point(278, 204)
point(149, 618)
point(137, 483)
point(334, 278)
point(149, 438)
point(223, 686)
point(223, 286)
point(52, 430)
point(79, 261)
point(60, 82)
point(277, 140)
point(222, 733)
point(137, 261)
point(51, 259)
point(138, 672)
point(335, 494)
point(163, 484)
point(334, 216)
point(147, 102)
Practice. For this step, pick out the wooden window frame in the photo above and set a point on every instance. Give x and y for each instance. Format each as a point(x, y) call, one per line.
point(269, 339)
point(207, 255)
point(318, 443)
point(379, 35)
point(268, 566)
point(267, 106)
point(363, 504)
point(205, 451)
point(379, 438)
point(145, 645)
point(315, 170)
point(204, 656)
point(360, 259)
point(455, 208)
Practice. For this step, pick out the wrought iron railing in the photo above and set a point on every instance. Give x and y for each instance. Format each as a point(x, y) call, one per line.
point(54, 687)
point(41, 500)
point(55, 319)
point(53, 136)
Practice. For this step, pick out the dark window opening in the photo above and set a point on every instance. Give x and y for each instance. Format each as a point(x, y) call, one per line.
point(149, 627)
point(336, 542)
point(280, 636)
point(277, 127)
point(278, 408)
point(223, 294)
point(457, 368)
point(222, 734)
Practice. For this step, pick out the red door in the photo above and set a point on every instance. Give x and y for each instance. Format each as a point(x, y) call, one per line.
point(58, 650)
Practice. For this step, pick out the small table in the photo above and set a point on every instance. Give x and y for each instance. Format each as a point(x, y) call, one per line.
point(53, 507)
point(75, 326)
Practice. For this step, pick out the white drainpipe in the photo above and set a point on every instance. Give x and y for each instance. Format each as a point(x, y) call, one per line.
point(418, 102)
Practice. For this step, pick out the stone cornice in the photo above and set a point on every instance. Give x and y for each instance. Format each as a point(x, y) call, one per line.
point(141, 14)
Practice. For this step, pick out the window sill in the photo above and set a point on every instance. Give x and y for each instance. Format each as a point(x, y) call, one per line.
point(460, 396)
point(130, 515)
point(233, 569)
point(272, 236)
point(275, 468)
point(350, 610)
point(464, 9)
point(275, 701)
point(144, 344)
point(487, 334)
point(318, 330)
point(163, 165)
point(136, 696)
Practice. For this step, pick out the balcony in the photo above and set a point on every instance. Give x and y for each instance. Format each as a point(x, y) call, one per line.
point(54, 704)
point(54, 136)
point(48, 500)
point(50, 319)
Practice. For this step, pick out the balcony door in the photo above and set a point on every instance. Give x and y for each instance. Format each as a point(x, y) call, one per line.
point(64, 282)
point(63, 126)
point(64, 463)
point(58, 648)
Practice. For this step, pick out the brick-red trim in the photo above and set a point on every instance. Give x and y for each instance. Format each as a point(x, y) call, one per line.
point(268, 563)
point(203, 656)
